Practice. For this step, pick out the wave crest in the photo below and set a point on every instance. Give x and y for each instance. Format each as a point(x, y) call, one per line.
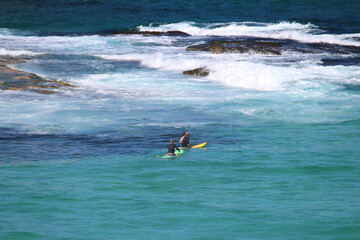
point(282, 30)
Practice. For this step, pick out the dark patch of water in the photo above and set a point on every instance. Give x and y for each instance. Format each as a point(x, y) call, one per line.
point(350, 61)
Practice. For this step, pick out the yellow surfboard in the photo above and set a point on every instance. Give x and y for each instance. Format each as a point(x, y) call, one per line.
point(199, 145)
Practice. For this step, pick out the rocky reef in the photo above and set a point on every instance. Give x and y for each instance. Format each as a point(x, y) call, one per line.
point(245, 46)
point(230, 46)
point(11, 79)
point(270, 47)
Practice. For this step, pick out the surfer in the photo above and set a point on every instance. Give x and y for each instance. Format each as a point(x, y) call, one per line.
point(185, 140)
point(172, 147)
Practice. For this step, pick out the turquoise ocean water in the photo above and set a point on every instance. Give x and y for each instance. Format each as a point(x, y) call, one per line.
point(283, 132)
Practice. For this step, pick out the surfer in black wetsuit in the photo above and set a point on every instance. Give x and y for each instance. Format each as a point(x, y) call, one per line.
point(172, 147)
point(185, 140)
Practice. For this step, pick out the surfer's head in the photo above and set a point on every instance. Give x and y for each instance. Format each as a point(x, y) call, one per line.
point(171, 140)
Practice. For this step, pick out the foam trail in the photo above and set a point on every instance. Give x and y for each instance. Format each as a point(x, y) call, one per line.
point(17, 53)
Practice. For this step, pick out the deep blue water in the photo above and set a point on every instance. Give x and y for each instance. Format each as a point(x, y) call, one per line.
point(282, 131)
point(107, 15)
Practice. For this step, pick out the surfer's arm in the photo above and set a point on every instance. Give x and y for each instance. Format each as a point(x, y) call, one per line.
point(181, 139)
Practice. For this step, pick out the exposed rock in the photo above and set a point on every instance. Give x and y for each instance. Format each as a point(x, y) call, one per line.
point(335, 48)
point(11, 79)
point(201, 72)
point(155, 33)
point(178, 33)
point(246, 46)
point(5, 61)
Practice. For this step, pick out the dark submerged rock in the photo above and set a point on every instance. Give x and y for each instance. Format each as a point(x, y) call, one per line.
point(344, 61)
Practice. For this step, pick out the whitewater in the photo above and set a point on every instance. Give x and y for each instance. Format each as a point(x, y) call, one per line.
point(90, 62)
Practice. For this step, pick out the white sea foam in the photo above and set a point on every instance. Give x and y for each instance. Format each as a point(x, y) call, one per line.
point(15, 45)
point(248, 71)
point(283, 30)
point(231, 73)
point(17, 53)
point(277, 87)
point(231, 29)
point(241, 71)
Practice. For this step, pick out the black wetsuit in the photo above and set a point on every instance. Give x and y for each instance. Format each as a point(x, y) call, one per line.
point(172, 147)
point(185, 142)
